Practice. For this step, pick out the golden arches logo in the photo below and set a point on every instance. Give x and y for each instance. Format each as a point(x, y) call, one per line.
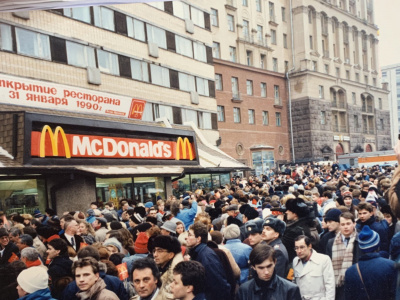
point(138, 108)
point(54, 141)
point(186, 147)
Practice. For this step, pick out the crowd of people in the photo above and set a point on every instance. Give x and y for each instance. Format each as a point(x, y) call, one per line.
point(308, 232)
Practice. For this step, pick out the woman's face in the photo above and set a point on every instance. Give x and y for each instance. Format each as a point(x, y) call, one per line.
point(347, 201)
point(82, 228)
point(161, 207)
point(179, 228)
point(388, 218)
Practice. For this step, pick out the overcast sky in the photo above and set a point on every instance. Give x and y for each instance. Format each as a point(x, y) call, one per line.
point(388, 20)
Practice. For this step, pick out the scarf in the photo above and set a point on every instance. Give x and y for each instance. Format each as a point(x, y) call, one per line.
point(33, 263)
point(342, 257)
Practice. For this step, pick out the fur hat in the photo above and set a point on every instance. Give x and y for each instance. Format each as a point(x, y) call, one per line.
point(141, 243)
point(250, 213)
point(169, 243)
point(232, 232)
point(276, 224)
point(368, 240)
point(298, 206)
point(33, 279)
point(113, 242)
point(254, 226)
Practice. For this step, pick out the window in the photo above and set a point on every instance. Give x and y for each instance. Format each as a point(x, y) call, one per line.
point(181, 10)
point(244, 3)
point(286, 65)
point(186, 82)
point(313, 65)
point(236, 114)
point(80, 55)
point(235, 87)
point(337, 72)
point(159, 75)
point(249, 58)
point(311, 42)
point(374, 81)
point(326, 66)
point(260, 35)
point(108, 62)
point(321, 91)
point(356, 124)
point(140, 70)
point(214, 17)
point(263, 87)
point(5, 37)
point(276, 95)
point(278, 119)
point(275, 64)
point(78, 13)
point(366, 79)
point(382, 124)
point(232, 54)
point(323, 117)
point(283, 14)
point(32, 43)
point(202, 86)
point(216, 50)
point(354, 99)
point(258, 5)
point(380, 103)
point(263, 60)
point(251, 116)
point(200, 52)
point(231, 23)
point(104, 17)
point(249, 86)
point(347, 74)
point(285, 40)
point(189, 115)
point(271, 9)
point(135, 29)
point(204, 120)
point(246, 29)
point(197, 17)
point(218, 82)
point(265, 118)
point(163, 111)
point(183, 46)
point(273, 36)
point(221, 113)
point(156, 35)
point(358, 77)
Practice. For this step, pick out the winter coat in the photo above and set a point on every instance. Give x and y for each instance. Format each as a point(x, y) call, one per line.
point(279, 289)
point(78, 241)
point(379, 276)
point(240, 253)
point(8, 251)
point(38, 295)
point(59, 267)
point(282, 258)
point(187, 215)
point(167, 277)
point(216, 285)
point(316, 278)
point(379, 228)
point(98, 291)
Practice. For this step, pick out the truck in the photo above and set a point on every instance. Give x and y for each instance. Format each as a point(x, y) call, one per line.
point(368, 159)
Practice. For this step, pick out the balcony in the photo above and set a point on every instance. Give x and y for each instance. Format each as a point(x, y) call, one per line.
point(367, 109)
point(324, 30)
point(325, 54)
point(272, 20)
point(339, 104)
point(339, 128)
point(247, 38)
point(368, 131)
point(236, 97)
point(278, 101)
point(231, 4)
point(346, 38)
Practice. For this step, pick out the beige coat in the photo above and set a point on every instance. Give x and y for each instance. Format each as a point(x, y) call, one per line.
point(167, 278)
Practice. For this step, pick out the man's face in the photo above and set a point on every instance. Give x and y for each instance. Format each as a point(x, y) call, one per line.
point(51, 252)
point(13, 239)
point(265, 270)
point(152, 213)
point(269, 234)
point(144, 282)
point(191, 240)
point(347, 226)
point(290, 215)
point(254, 238)
point(85, 277)
point(125, 207)
point(302, 250)
point(20, 245)
point(231, 213)
point(314, 197)
point(162, 256)
point(364, 215)
point(332, 225)
point(73, 226)
point(62, 222)
point(95, 224)
point(4, 240)
point(179, 291)
point(108, 207)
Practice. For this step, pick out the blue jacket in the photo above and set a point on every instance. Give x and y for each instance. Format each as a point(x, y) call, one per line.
point(380, 228)
point(216, 286)
point(39, 295)
point(112, 284)
point(241, 254)
point(187, 215)
point(380, 282)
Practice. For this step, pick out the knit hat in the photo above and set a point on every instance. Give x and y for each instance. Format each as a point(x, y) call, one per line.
point(141, 243)
point(37, 213)
point(33, 279)
point(232, 232)
point(169, 226)
point(148, 204)
point(276, 224)
point(136, 218)
point(254, 226)
point(169, 243)
point(113, 242)
point(368, 240)
point(333, 214)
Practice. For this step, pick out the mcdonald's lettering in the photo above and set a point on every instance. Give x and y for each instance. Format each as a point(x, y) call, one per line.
point(46, 143)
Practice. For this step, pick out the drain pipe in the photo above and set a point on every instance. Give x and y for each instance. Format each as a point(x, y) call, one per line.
point(288, 81)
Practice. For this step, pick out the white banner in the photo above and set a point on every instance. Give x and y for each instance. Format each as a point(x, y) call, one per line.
point(40, 94)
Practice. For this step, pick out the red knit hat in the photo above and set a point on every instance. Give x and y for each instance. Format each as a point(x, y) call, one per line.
point(141, 243)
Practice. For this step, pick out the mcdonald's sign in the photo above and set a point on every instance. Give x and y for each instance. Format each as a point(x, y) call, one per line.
point(137, 109)
point(184, 149)
point(53, 137)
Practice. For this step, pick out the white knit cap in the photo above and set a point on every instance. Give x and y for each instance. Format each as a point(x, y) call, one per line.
point(33, 279)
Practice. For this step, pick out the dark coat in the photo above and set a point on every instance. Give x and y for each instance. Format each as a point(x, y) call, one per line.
point(216, 285)
point(60, 267)
point(379, 282)
point(380, 228)
point(278, 289)
point(282, 258)
point(323, 242)
point(8, 251)
point(356, 250)
point(78, 240)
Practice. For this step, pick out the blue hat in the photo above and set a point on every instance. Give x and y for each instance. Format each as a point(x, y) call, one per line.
point(333, 214)
point(276, 224)
point(148, 204)
point(90, 219)
point(368, 240)
point(254, 226)
point(37, 213)
point(90, 212)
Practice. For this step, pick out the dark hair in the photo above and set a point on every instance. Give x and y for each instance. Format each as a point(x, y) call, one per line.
point(50, 211)
point(307, 240)
point(116, 258)
point(14, 231)
point(348, 215)
point(87, 261)
point(217, 236)
point(67, 218)
point(145, 263)
point(327, 194)
point(60, 244)
point(89, 251)
point(26, 239)
point(115, 225)
point(260, 253)
point(192, 273)
point(36, 223)
point(109, 204)
point(366, 206)
point(200, 230)
point(30, 230)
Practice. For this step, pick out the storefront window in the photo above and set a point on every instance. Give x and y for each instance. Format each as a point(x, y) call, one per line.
point(207, 182)
point(263, 161)
point(180, 186)
point(22, 195)
point(113, 189)
point(201, 181)
point(149, 188)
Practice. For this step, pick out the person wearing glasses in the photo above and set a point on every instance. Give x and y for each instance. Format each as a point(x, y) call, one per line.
point(167, 254)
point(313, 272)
